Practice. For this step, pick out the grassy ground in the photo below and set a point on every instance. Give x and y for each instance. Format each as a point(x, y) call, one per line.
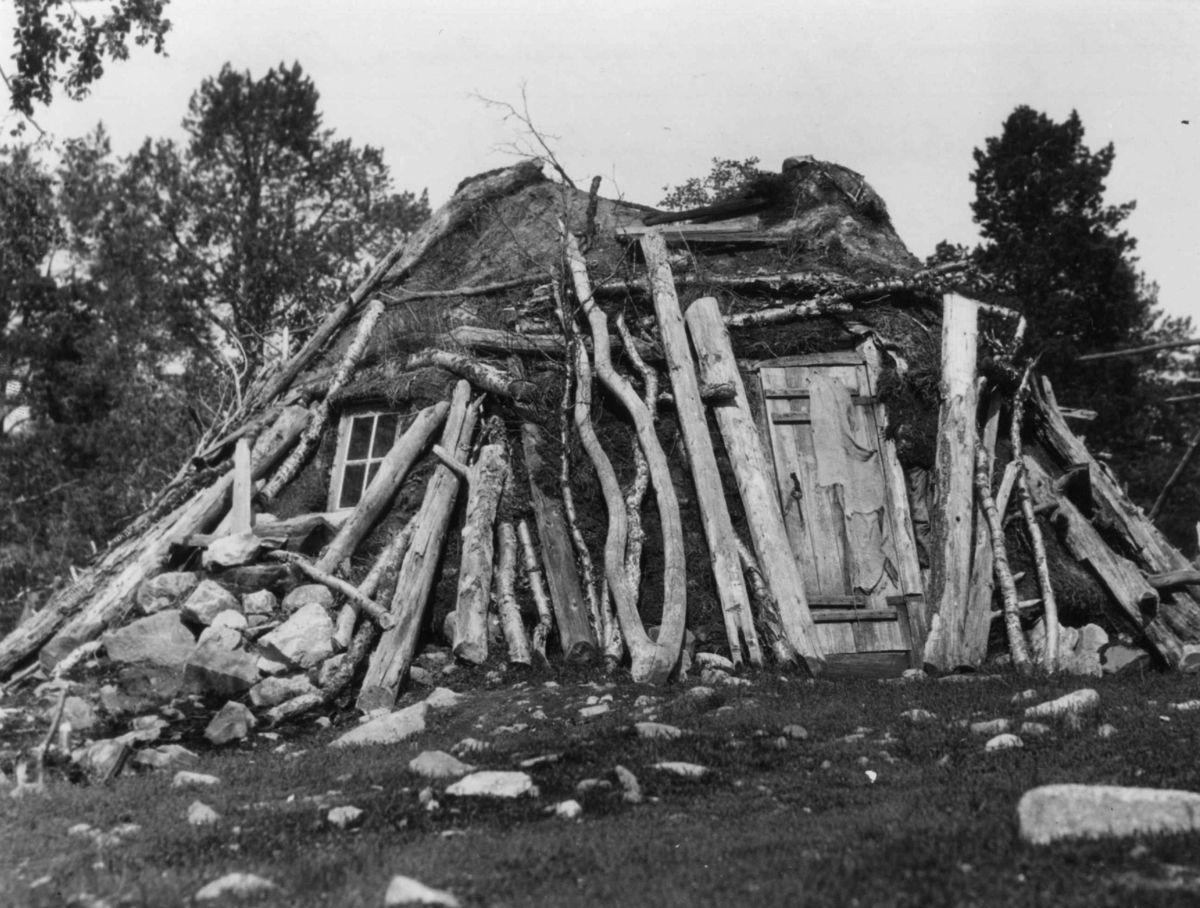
point(776, 821)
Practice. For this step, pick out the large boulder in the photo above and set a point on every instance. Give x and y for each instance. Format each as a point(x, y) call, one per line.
point(158, 641)
point(232, 723)
point(304, 640)
point(165, 591)
point(389, 729)
point(213, 668)
point(207, 601)
point(1054, 812)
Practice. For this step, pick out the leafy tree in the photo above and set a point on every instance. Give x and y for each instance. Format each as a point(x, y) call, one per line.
point(56, 43)
point(725, 181)
point(267, 214)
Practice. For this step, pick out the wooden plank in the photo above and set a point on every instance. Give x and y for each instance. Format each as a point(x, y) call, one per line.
point(789, 393)
point(830, 615)
point(759, 498)
point(829, 358)
point(951, 515)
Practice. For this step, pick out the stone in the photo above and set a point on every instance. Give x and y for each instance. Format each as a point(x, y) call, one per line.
point(583, 786)
point(228, 673)
point(101, 757)
point(232, 723)
point(260, 602)
point(568, 810)
point(914, 674)
point(231, 618)
point(1079, 701)
point(433, 659)
point(686, 770)
point(918, 716)
point(712, 676)
point(1066, 811)
point(695, 700)
point(185, 779)
point(305, 595)
point(329, 670)
point(1119, 659)
point(207, 601)
point(1085, 660)
point(116, 702)
point(713, 660)
point(160, 641)
point(404, 890)
point(79, 713)
point(221, 637)
point(1189, 659)
point(237, 885)
point(273, 691)
point(494, 784)
point(795, 731)
point(346, 817)
point(1004, 742)
point(233, 550)
point(1034, 729)
point(166, 591)
point(422, 676)
point(200, 814)
point(990, 727)
point(165, 756)
point(278, 578)
point(1106, 731)
point(1024, 696)
point(271, 666)
point(590, 712)
point(389, 729)
point(443, 698)
point(632, 790)
point(437, 764)
point(304, 640)
point(657, 731)
point(1187, 706)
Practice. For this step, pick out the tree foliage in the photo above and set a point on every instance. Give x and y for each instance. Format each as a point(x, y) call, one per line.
point(57, 44)
point(724, 181)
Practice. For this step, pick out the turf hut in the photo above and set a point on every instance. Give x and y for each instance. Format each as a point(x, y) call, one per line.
point(557, 426)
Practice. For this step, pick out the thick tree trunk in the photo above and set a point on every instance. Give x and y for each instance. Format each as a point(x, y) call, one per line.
point(759, 499)
point(485, 481)
point(714, 513)
point(392, 656)
point(392, 471)
point(484, 376)
point(655, 664)
point(950, 520)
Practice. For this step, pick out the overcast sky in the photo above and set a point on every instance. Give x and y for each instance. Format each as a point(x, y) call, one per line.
point(646, 93)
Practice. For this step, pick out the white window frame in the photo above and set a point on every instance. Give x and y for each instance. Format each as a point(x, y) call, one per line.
point(338, 474)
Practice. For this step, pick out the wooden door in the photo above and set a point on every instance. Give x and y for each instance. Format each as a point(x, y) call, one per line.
point(821, 421)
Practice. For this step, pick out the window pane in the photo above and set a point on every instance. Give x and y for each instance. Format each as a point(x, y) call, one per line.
point(360, 437)
point(385, 434)
point(371, 471)
point(352, 485)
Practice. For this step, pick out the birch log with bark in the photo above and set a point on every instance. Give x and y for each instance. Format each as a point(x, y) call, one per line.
point(977, 621)
point(950, 516)
point(390, 661)
point(710, 491)
point(506, 600)
point(392, 471)
point(760, 502)
point(768, 608)
point(485, 481)
point(537, 588)
point(654, 663)
point(108, 588)
point(636, 495)
point(1017, 647)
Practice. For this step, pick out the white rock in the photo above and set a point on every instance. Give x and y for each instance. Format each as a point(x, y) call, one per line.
point(165, 756)
point(629, 782)
point(1025, 696)
point(305, 595)
point(991, 727)
point(494, 784)
point(345, 817)
point(207, 601)
point(165, 591)
point(599, 709)
point(795, 731)
point(160, 640)
point(914, 674)
point(657, 730)
point(304, 640)
point(443, 698)
point(220, 636)
point(230, 618)
point(713, 660)
point(389, 729)
point(200, 814)
point(211, 667)
point(1186, 706)
point(185, 779)
point(232, 723)
point(233, 550)
point(437, 764)
point(261, 602)
point(1034, 729)
point(234, 884)
point(1004, 742)
point(918, 716)
point(403, 890)
point(687, 770)
point(273, 691)
point(1106, 731)
point(568, 810)
point(1054, 812)
point(1079, 701)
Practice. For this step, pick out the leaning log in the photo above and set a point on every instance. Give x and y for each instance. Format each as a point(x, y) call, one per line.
point(506, 600)
point(390, 661)
point(392, 471)
point(710, 493)
point(759, 500)
point(109, 586)
point(381, 578)
point(1017, 646)
point(950, 517)
point(485, 480)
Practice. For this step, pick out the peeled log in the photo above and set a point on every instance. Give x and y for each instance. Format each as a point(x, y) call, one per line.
point(485, 481)
point(759, 499)
point(950, 516)
point(506, 600)
point(390, 661)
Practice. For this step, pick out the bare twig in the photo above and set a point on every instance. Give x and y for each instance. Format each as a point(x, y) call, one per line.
point(525, 119)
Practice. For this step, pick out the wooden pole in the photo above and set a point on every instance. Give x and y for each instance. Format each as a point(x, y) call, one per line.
point(1159, 502)
point(1017, 646)
point(485, 481)
point(1134, 351)
point(385, 569)
point(393, 655)
point(759, 498)
point(241, 519)
point(710, 492)
point(950, 517)
point(506, 600)
point(533, 573)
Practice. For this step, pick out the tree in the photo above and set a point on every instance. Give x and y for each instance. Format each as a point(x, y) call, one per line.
point(55, 43)
point(267, 215)
point(725, 181)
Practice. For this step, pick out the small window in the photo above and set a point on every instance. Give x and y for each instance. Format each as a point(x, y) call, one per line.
point(363, 441)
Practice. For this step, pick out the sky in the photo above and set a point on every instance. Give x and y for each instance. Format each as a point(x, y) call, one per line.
point(646, 93)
